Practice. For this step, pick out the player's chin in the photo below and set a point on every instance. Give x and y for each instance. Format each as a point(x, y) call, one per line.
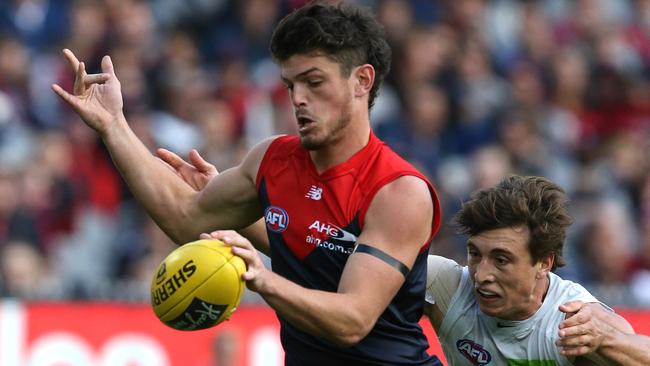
point(311, 142)
point(490, 306)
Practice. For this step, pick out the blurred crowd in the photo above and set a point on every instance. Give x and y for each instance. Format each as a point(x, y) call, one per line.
point(478, 89)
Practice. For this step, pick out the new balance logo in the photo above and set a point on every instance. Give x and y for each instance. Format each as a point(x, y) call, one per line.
point(315, 193)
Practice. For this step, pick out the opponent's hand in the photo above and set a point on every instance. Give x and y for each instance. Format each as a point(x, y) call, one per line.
point(97, 98)
point(196, 175)
point(255, 269)
point(584, 328)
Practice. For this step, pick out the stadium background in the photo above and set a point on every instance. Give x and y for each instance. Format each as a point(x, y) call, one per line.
point(478, 89)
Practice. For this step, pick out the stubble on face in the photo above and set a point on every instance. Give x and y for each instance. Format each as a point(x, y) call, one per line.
point(328, 133)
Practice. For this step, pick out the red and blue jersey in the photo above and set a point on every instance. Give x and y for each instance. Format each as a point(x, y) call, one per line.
point(312, 221)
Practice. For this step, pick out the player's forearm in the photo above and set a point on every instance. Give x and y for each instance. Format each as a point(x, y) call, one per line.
point(626, 349)
point(328, 315)
point(256, 234)
point(157, 188)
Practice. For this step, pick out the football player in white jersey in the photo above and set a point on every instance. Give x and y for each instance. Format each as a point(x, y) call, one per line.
point(507, 307)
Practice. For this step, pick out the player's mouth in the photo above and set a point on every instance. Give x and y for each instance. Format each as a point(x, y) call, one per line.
point(305, 123)
point(487, 295)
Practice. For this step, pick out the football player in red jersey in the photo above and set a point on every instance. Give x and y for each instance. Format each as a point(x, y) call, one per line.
point(349, 222)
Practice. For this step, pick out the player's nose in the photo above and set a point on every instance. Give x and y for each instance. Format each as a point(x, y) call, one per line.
point(483, 272)
point(299, 96)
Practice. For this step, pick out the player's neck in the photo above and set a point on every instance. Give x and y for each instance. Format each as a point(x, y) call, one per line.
point(539, 293)
point(353, 139)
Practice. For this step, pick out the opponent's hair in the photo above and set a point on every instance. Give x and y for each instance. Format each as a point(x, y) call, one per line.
point(536, 202)
point(351, 36)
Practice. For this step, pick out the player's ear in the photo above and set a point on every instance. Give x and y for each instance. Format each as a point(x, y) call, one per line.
point(364, 77)
point(544, 265)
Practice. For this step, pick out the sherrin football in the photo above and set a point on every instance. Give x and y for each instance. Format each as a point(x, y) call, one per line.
point(198, 285)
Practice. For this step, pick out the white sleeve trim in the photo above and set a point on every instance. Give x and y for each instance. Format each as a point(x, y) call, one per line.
point(443, 279)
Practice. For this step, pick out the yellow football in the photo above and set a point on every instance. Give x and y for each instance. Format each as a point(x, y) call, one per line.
point(198, 285)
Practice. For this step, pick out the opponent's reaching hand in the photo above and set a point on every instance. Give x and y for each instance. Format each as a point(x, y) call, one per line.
point(97, 98)
point(587, 326)
point(196, 175)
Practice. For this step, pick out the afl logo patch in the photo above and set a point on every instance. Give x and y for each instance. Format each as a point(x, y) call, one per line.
point(276, 219)
point(474, 352)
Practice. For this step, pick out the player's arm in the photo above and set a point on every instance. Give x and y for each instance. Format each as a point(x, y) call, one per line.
point(398, 222)
point(229, 201)
point(443, 279)
point(626, 349)
point(599, 336)
point(197, 173)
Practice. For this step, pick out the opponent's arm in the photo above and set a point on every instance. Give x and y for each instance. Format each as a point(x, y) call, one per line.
point(443, 279)
point(398, 222)
point(227, 202)
point(598, 336)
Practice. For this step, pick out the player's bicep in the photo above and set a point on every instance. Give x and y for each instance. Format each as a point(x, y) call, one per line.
point(399, 220)
point(229, 201)
point(398, 223)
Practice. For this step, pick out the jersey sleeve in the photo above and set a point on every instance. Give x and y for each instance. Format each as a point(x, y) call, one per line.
point(443, 279)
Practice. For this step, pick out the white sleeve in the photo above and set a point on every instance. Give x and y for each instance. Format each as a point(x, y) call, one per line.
point(443, 279)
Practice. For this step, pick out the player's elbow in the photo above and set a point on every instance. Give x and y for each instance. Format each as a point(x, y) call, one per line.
point(350, 339)
point(353, 332)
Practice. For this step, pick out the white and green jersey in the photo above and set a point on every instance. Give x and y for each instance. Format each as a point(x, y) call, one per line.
point(469, 337)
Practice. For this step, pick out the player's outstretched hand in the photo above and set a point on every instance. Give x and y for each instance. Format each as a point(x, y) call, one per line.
point(196, 175)
point(97, 98)
point(255, 269)
point(586, 326)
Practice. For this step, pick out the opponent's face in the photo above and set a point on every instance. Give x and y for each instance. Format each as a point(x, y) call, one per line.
point(322, 98)
point(507, 284)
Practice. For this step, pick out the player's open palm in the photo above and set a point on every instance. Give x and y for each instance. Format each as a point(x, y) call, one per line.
point(97, 98)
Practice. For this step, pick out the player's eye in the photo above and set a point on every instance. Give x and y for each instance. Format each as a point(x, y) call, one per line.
point(501, 261)
point(314, 83)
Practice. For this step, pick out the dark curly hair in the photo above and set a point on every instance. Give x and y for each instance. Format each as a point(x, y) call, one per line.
point(351, 36)
point(536, 202)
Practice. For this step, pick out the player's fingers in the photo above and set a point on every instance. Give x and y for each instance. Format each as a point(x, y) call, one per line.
point(575, 341)
point(72, 59)
point(95, 79)
point(245, 254)
point(571, 306)
point(248, 275)
point(573, 331)
point(79, 87)
point(233, 238)
point(171, 158)
point(575, 351)
point(575, 320)
point(200, 163)
point(67, 97)
point(107, 65)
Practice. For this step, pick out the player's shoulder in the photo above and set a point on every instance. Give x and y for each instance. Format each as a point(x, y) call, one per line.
point(406, 198)
point(410, 185)
point(258, 153)
point(443, 272)
point(562, 290)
